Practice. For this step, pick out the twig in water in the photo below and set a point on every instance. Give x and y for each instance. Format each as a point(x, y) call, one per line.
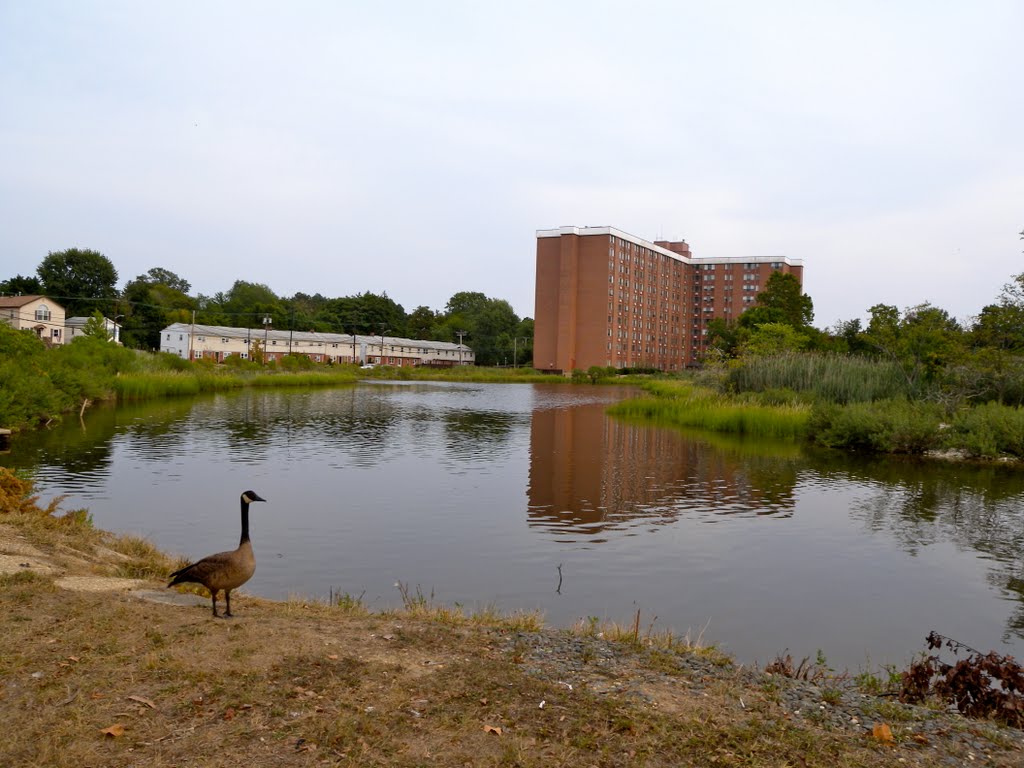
point(558, 590)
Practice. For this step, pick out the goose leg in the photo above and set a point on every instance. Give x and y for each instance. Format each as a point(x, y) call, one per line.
point(227, 599)
point(213, 596)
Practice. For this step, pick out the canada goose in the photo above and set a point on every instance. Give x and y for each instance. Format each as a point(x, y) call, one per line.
point(224, 570)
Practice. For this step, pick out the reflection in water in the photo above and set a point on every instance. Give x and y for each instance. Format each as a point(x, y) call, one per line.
point(590, 474)
point(975, 506)
point(481, 491)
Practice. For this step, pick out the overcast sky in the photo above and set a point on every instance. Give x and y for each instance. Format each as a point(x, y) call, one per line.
point(414, 148)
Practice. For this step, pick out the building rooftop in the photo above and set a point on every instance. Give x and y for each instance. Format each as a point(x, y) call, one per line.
point(613, 232)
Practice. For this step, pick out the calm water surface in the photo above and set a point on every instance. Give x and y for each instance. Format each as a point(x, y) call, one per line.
point(477, 493)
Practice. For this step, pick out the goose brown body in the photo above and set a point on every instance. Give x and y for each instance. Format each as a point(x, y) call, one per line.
point(224, 570)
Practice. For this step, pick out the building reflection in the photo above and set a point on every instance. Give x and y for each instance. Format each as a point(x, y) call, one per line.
point(591, 474)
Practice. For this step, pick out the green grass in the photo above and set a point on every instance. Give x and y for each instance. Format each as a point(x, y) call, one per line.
point(681, 404)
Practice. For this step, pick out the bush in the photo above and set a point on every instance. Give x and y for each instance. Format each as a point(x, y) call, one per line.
point(989, 430)
point(887, 426)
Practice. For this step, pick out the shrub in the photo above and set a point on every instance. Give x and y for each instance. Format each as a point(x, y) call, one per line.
point(887, 426)
point(989, 430)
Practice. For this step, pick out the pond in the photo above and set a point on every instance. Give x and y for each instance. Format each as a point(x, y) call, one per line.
point(530, 497)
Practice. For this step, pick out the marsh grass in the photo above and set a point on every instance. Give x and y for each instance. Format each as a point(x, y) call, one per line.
point(831, 378)
point(682, 404)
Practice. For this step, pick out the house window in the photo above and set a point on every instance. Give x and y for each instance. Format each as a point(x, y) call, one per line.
point(42, 313)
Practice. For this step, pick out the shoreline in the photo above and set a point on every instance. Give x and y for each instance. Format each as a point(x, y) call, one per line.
point(103, 666)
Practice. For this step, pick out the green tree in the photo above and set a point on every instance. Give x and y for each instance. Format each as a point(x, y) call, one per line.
point(21, 285)
point(781, 301)
point(151, 305)
point(773, 339)
point(421, 323)
point(161, 276)
point(81, 280)
point(490, 325)
point(923, 341)
point(96, 327)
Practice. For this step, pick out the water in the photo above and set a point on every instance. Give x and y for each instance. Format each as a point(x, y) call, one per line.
point(478, 493)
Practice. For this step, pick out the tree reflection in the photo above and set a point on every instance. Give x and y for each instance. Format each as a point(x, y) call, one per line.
point(922, 502)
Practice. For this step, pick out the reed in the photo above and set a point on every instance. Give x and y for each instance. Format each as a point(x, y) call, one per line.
point(153, 384)
point(829, 377)
point(682, 404)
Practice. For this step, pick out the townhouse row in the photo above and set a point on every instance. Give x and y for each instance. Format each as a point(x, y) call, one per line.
point(217, 342)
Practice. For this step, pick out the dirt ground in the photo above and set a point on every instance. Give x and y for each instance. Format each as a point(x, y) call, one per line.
point(98, 669)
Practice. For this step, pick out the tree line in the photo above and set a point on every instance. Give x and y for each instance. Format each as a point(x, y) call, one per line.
point(85, 281)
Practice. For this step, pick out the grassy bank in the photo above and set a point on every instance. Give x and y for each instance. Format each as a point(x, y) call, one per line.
point(683, 404)
point(834, 401)
point(96, 675)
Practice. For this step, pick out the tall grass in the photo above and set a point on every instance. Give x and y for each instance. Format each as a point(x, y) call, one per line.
point(682, 404)
point(152, 384)
point(831, 378)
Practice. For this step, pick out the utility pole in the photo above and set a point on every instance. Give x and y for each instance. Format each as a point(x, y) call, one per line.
point(460, 334)
point(266, 328)
point(353, 346)
point(291, 330)
point(383, 329)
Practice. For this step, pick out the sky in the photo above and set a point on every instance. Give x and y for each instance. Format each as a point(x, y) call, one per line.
point(415, 148)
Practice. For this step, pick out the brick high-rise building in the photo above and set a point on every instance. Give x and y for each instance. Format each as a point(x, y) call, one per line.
point(607, 298)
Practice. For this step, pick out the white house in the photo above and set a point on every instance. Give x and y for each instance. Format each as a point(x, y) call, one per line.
point(75, 327)
point(218, 342)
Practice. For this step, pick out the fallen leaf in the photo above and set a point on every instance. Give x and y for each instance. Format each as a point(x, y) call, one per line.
point(332, 656)
point(229, 714)
point(920, 739)
point(115, 730)
point(72, 658)
point(141, 700)
point(883, 733)
point(492, 729)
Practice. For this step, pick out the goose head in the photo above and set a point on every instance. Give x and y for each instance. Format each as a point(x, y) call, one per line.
point(250, 496)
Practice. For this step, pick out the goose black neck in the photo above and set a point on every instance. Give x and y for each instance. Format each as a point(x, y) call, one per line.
point(245, 522)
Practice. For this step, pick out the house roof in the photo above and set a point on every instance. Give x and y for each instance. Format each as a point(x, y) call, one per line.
point(21, 301)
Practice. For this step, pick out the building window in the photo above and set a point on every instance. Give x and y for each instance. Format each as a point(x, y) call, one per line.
point(42, 313)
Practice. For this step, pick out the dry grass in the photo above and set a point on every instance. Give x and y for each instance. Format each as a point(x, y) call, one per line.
point(299, 684)
point(107, 679)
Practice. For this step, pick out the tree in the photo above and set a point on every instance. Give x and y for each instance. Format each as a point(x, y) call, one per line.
point(785, 301)
point(489, 323)
point(21, 285)
point(421, 323)
point(161, 276)
point(773, 339)
point(81, 280)
point(923, 341)
point(150, 306)
point(96, 327)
